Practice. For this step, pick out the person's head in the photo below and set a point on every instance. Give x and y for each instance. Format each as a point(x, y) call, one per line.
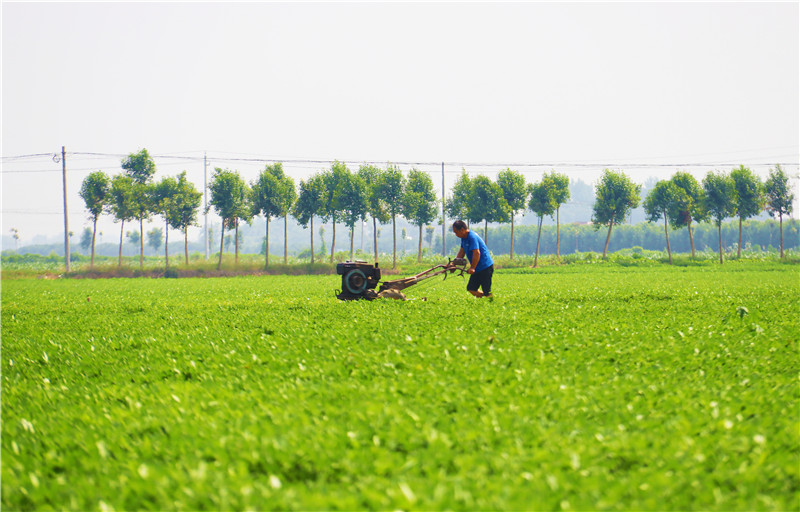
point(460, 229)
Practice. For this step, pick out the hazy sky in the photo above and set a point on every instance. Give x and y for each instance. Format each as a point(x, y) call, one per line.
point(533, 86)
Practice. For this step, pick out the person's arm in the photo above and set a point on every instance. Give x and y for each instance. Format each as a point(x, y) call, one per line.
point(476, 257)
point(460, 253)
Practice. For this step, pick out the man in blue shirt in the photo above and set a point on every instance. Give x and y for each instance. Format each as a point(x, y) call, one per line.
point(481, 265)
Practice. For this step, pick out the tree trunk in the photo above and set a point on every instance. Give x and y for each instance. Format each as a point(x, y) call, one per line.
point(780, 216)
point(375, 237)
point(141, 242)
point(94, 232)
point(511, 256)
point(285, 241)
point(691, 237)
point(486, 231)
point(312, 239)
point(121, 231)
point(666, 231)
point(352, 236)
point(608, 238)
point(394, 243)
point(236, 242)
point(333, 237)
point(739, 249)
point(221, 246)
point(419, 250)
point(186, 242)
point(558, 233)
point(266, 244)
point(538, 238)
point(166, 244)
point(719, 231)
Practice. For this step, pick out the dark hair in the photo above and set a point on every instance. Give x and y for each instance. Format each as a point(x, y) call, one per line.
point(459, 225)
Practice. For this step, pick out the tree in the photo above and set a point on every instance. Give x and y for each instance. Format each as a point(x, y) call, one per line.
point(390, 187)
point(419, 202)
point(515, 193)
point(267, 198)
point(332, 209)
point(376, 204)
point(720, 200)
point(141, 168)
point(749, 197)
point(457, 205)
point(429, 235)
point(662, 201)
point(689, 203)
point(779, 199)
point(134, 236)
point(542, 203)
point(123, 204)
point(615, 197)
point(288, 198)
point(309, 203)
point(86, 238)
point(229, 198)
point(96, 194)
point(353, 202)
point(15, 235)
point(154, 238)
point(559, 188)
point(184, 209)
point(164, 193)
point(486, 203)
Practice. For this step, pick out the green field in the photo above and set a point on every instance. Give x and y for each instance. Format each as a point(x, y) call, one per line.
point(579, 387)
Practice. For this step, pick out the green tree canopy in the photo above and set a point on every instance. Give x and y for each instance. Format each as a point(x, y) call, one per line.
point(542, 202)
point(139, 166)
point(229, 197)
point(391, 185)
point(310, 202)
point(778, 197)
point(749, 197)
point(515, 192)
point(662, 203)
point(96, 193)
point(486, 203)
point(376, 204)
point(559, 186)
point(457, 205)
point(690, 203)
point(419, 202)
point(332, 209)
point(353, 200)
point(720, 200)
point(615, 197)
point(184, 209)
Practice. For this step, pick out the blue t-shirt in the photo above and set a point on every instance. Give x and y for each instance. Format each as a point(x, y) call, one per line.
point(472, 242)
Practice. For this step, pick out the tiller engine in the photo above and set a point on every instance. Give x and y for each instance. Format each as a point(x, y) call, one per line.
point(359, 278)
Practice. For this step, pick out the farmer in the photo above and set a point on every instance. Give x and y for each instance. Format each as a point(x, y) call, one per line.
point(481, 265)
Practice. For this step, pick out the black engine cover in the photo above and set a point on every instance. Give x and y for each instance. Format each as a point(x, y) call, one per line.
point(359, 280)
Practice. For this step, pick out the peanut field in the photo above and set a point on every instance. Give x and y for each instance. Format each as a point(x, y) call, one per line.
point(579, 387)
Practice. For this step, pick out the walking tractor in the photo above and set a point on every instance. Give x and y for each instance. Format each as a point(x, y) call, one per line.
point(359, 279)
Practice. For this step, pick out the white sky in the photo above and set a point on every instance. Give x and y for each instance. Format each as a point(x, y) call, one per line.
point(462, 83)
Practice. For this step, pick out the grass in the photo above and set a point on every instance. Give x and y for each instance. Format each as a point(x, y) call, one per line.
point(579, 387)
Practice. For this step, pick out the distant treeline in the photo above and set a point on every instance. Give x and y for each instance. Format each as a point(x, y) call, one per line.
point(756, 235)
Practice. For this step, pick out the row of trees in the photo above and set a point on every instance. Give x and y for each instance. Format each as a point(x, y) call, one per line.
point(132, 195)
point(338, 195)
point(681, 200)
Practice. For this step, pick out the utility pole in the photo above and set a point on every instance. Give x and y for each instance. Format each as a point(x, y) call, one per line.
point(205, 199)
point(66, 218)
point(444, 220)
